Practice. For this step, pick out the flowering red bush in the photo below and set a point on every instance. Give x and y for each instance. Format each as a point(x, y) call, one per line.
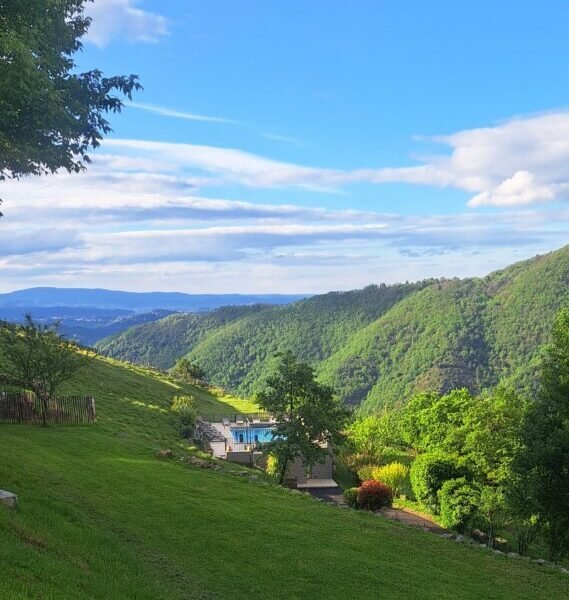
point(373, 495)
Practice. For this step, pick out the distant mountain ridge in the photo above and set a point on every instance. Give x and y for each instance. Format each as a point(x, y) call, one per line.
point(135, 301)
point(379, 345)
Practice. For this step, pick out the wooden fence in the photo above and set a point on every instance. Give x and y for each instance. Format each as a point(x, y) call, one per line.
point(27, 408)
point(235, 417)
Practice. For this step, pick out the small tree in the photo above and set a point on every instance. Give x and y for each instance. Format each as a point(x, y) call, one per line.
point(188, 371)
point(186, 408)
point(493, 509)
point(370, 436)
point(34, 357)
point(308, 415)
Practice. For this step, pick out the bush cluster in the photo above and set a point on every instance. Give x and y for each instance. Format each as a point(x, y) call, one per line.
point(373, 495)
point(393, 475)
point(351, 497)
point(459, 500)
point(428, 474)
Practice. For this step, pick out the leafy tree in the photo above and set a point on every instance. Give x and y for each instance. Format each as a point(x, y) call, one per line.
point(494, 511)
point(370, 436)
point(522, 506)
point(308, 415)
point(34, 357)
point(493, 429)
point(435, 423)
point(188, 371)
point(50, 115)
point(544, 462)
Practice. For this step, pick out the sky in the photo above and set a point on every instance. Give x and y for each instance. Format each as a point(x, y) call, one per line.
point(302, 147)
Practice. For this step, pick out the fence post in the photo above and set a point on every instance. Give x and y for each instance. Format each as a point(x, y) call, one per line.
point(93, 411)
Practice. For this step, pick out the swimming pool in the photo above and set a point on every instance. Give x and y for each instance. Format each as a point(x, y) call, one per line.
point(252, 435)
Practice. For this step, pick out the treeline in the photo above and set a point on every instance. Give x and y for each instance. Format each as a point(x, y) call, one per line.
point(491, 464)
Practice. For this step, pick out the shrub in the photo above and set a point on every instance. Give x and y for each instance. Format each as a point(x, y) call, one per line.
point(373, 495)
point(428, 473)
point(365, 472)
point(272, 466)
point(351, 496)
point(459, 501)
point(393, 475)
point(186, 408)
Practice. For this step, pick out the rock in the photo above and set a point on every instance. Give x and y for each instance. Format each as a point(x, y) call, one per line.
point(513, 555)
point(8, 499)
point(497, 552)
point(564, 570)
point(447, 535)
point(540, 561)
point(459, 538)
point(478, 535)
point(165, 454)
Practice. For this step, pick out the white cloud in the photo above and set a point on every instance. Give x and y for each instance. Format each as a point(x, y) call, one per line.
point(519, 190)
point(520, 162)
point(123, 19)
point(144, 220)
point(178, 114)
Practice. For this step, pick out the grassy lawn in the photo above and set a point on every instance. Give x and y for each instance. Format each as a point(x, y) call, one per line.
point(101, 517)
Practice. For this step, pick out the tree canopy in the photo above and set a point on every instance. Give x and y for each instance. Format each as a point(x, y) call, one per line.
point(50, 115)
point(308, 414)
point(34, 357)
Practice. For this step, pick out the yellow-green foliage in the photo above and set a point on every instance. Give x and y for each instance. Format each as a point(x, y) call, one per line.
point(272, 465)
point(394, 475)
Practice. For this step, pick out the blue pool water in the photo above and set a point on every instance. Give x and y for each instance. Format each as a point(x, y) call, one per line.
point(252, 435)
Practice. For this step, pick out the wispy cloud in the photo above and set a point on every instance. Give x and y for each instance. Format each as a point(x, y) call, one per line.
point(125, 20)
point(179, 114)
point(516, 163)
point(284, 139)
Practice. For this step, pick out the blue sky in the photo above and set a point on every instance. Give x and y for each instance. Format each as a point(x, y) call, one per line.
point(309, 146)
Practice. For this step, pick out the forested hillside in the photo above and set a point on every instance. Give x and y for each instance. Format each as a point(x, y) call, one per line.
point(472, 333)
point(236, 356)
point(378, 345)
point(160, 343)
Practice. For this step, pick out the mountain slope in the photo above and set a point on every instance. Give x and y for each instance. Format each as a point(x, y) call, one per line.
point(443, 334)
point(378, 345)
point(162, 342)
point(472, 333)
point(101, 517)
point(235, 357)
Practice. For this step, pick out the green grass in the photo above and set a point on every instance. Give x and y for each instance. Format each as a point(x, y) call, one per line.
point(101, 517)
